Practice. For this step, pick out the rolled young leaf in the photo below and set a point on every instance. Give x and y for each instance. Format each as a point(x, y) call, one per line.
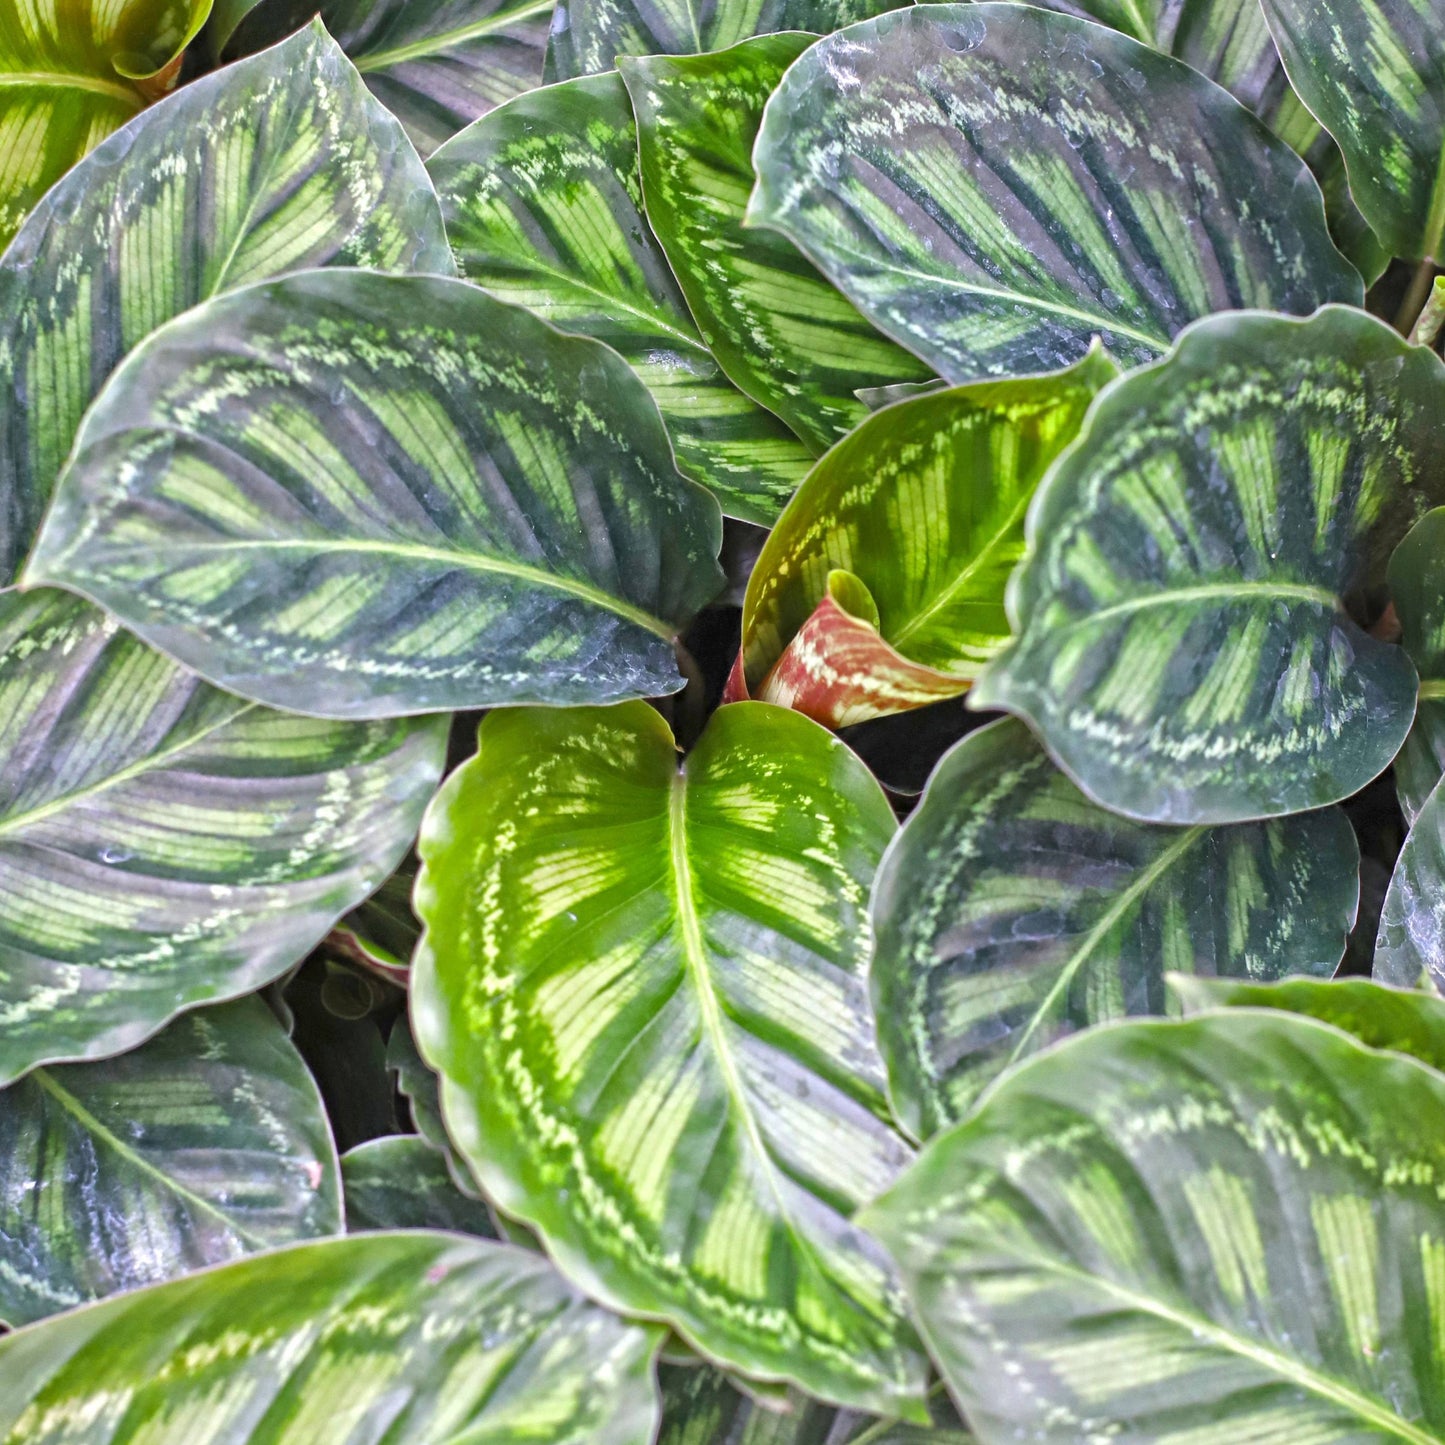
point(543, 207)
point(164, 845)
point(1012, 912)
point(357, 495)
point(1183, 647)
point(276, 164)
point(1410, 946)
point(958, 171)
point(644, 990)
point(785, 335)
point(401, 1182)
point(1165, 1231)
point(1417, 589)
point(207, 1143)
point(423, 1337)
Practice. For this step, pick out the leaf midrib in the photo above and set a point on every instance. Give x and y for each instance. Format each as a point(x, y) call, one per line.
point(432, 44)
point(1211, 591)
point(57, 80)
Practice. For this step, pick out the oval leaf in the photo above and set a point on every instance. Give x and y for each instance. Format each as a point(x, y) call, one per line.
point(1012, 912)
point(427, 1338)
point(959, 172)
point(279, 163)
point(1188, 1230)
point(357, 495)
point(1410, 946)
point(401, 1182)
point(164, 845)
point(543, 206)
point(1184, 650)
point(1417, 589)
point(644, 991)
point(207, 1143)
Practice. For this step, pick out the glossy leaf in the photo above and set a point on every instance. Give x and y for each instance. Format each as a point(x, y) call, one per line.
point(588, 35)
point(1183, 646)
point(1170, 1231)
point(785, 335)
point(1012, 912)
point(164, 845)
point(276, 164)
point(1417, 589)
point(924, 505)
point(207, 1143)
point(544, 208)
point(422, 1337)
point(1374, 73)
point(644, 990)
point(380, 934)
point(356, 495)
point(401, 1182)
point(1410, 947)
point(930, 164)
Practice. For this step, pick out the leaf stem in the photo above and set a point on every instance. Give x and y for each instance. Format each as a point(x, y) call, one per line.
point(691, 712)
point(1417, 294)
point(1431, 320)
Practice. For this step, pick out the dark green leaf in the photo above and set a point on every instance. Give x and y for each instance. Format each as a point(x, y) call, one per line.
point(644, 991)
point(995, 185)
point(380, 934)
point(205, 1144)
point(358, 495)
point(1184, 650)
point(1410, 948)
point(1417, 588)
point(401, 1182)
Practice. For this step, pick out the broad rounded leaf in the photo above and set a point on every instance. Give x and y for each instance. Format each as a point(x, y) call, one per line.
point(358, 495)
point(1183, 648)
point(1373, 71)
point(164, 845)
point(1410, 947)
point(207, 1143)
point(1012, 912)
point(418, 1337)
point(401, 1182)
point(1219, 1230)
point(995, 185)
point(1417, 588)
point(276, 164)
point(924, 504)
point(783, 333)
point(644, 990)
point(543, 206)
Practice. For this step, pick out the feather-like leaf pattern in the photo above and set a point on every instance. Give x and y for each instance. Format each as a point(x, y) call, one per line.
point(401, 1182)
point(1410, 947)
point(644, 990)
point(995, 185)
point(1417, 589)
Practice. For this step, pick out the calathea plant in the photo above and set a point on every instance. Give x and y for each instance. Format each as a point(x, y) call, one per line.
point(503, 506)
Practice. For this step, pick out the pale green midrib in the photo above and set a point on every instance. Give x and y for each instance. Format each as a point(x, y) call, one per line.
point(1199, 1327)
point(432, 44)
point(1297, 592)
point(83, 1116)
point(1143, 31)
point(1116, 910)
point(1433, 687)
point(57, 81)
point(149, 763)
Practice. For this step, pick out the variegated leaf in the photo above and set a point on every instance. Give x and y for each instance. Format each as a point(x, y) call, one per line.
point(163, 844)
point(544, 208)
point(1219, 1230)
point(380, 934)
point(785, 335)
point(275, 164)
point(924, 506)
point(1417, 589)
point(1184, 650)
point(644, 990)
point(589, 35)
point(1012, 912)
point(207, 1143)
point(401, 1182)
point(995, 185)
point(1373, 71)
point(358, 495)
point(1410, 946)
point(423, 1337)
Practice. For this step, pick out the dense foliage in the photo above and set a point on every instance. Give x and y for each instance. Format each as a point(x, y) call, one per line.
point(517, 923)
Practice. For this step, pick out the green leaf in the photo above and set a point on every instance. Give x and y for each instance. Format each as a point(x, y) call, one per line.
point(207, 1143)
point(924, 504)
point(1373, 72)
point(381, 933)
point(930, 165)
point(419, 1337)
point(1183, 646)
point(357, 495)
point(1012, 912)
point(1220, 1230)
point(164, 845)
point(401, 1182)
point(275, 164)
point(543, 206)
point(588, 35)
point(785, 335)
point(1417, 588)
point(644, 990)
point(72, 71)
point(1410, 946)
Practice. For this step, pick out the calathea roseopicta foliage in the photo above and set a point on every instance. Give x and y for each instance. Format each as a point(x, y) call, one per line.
point(722, 722)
